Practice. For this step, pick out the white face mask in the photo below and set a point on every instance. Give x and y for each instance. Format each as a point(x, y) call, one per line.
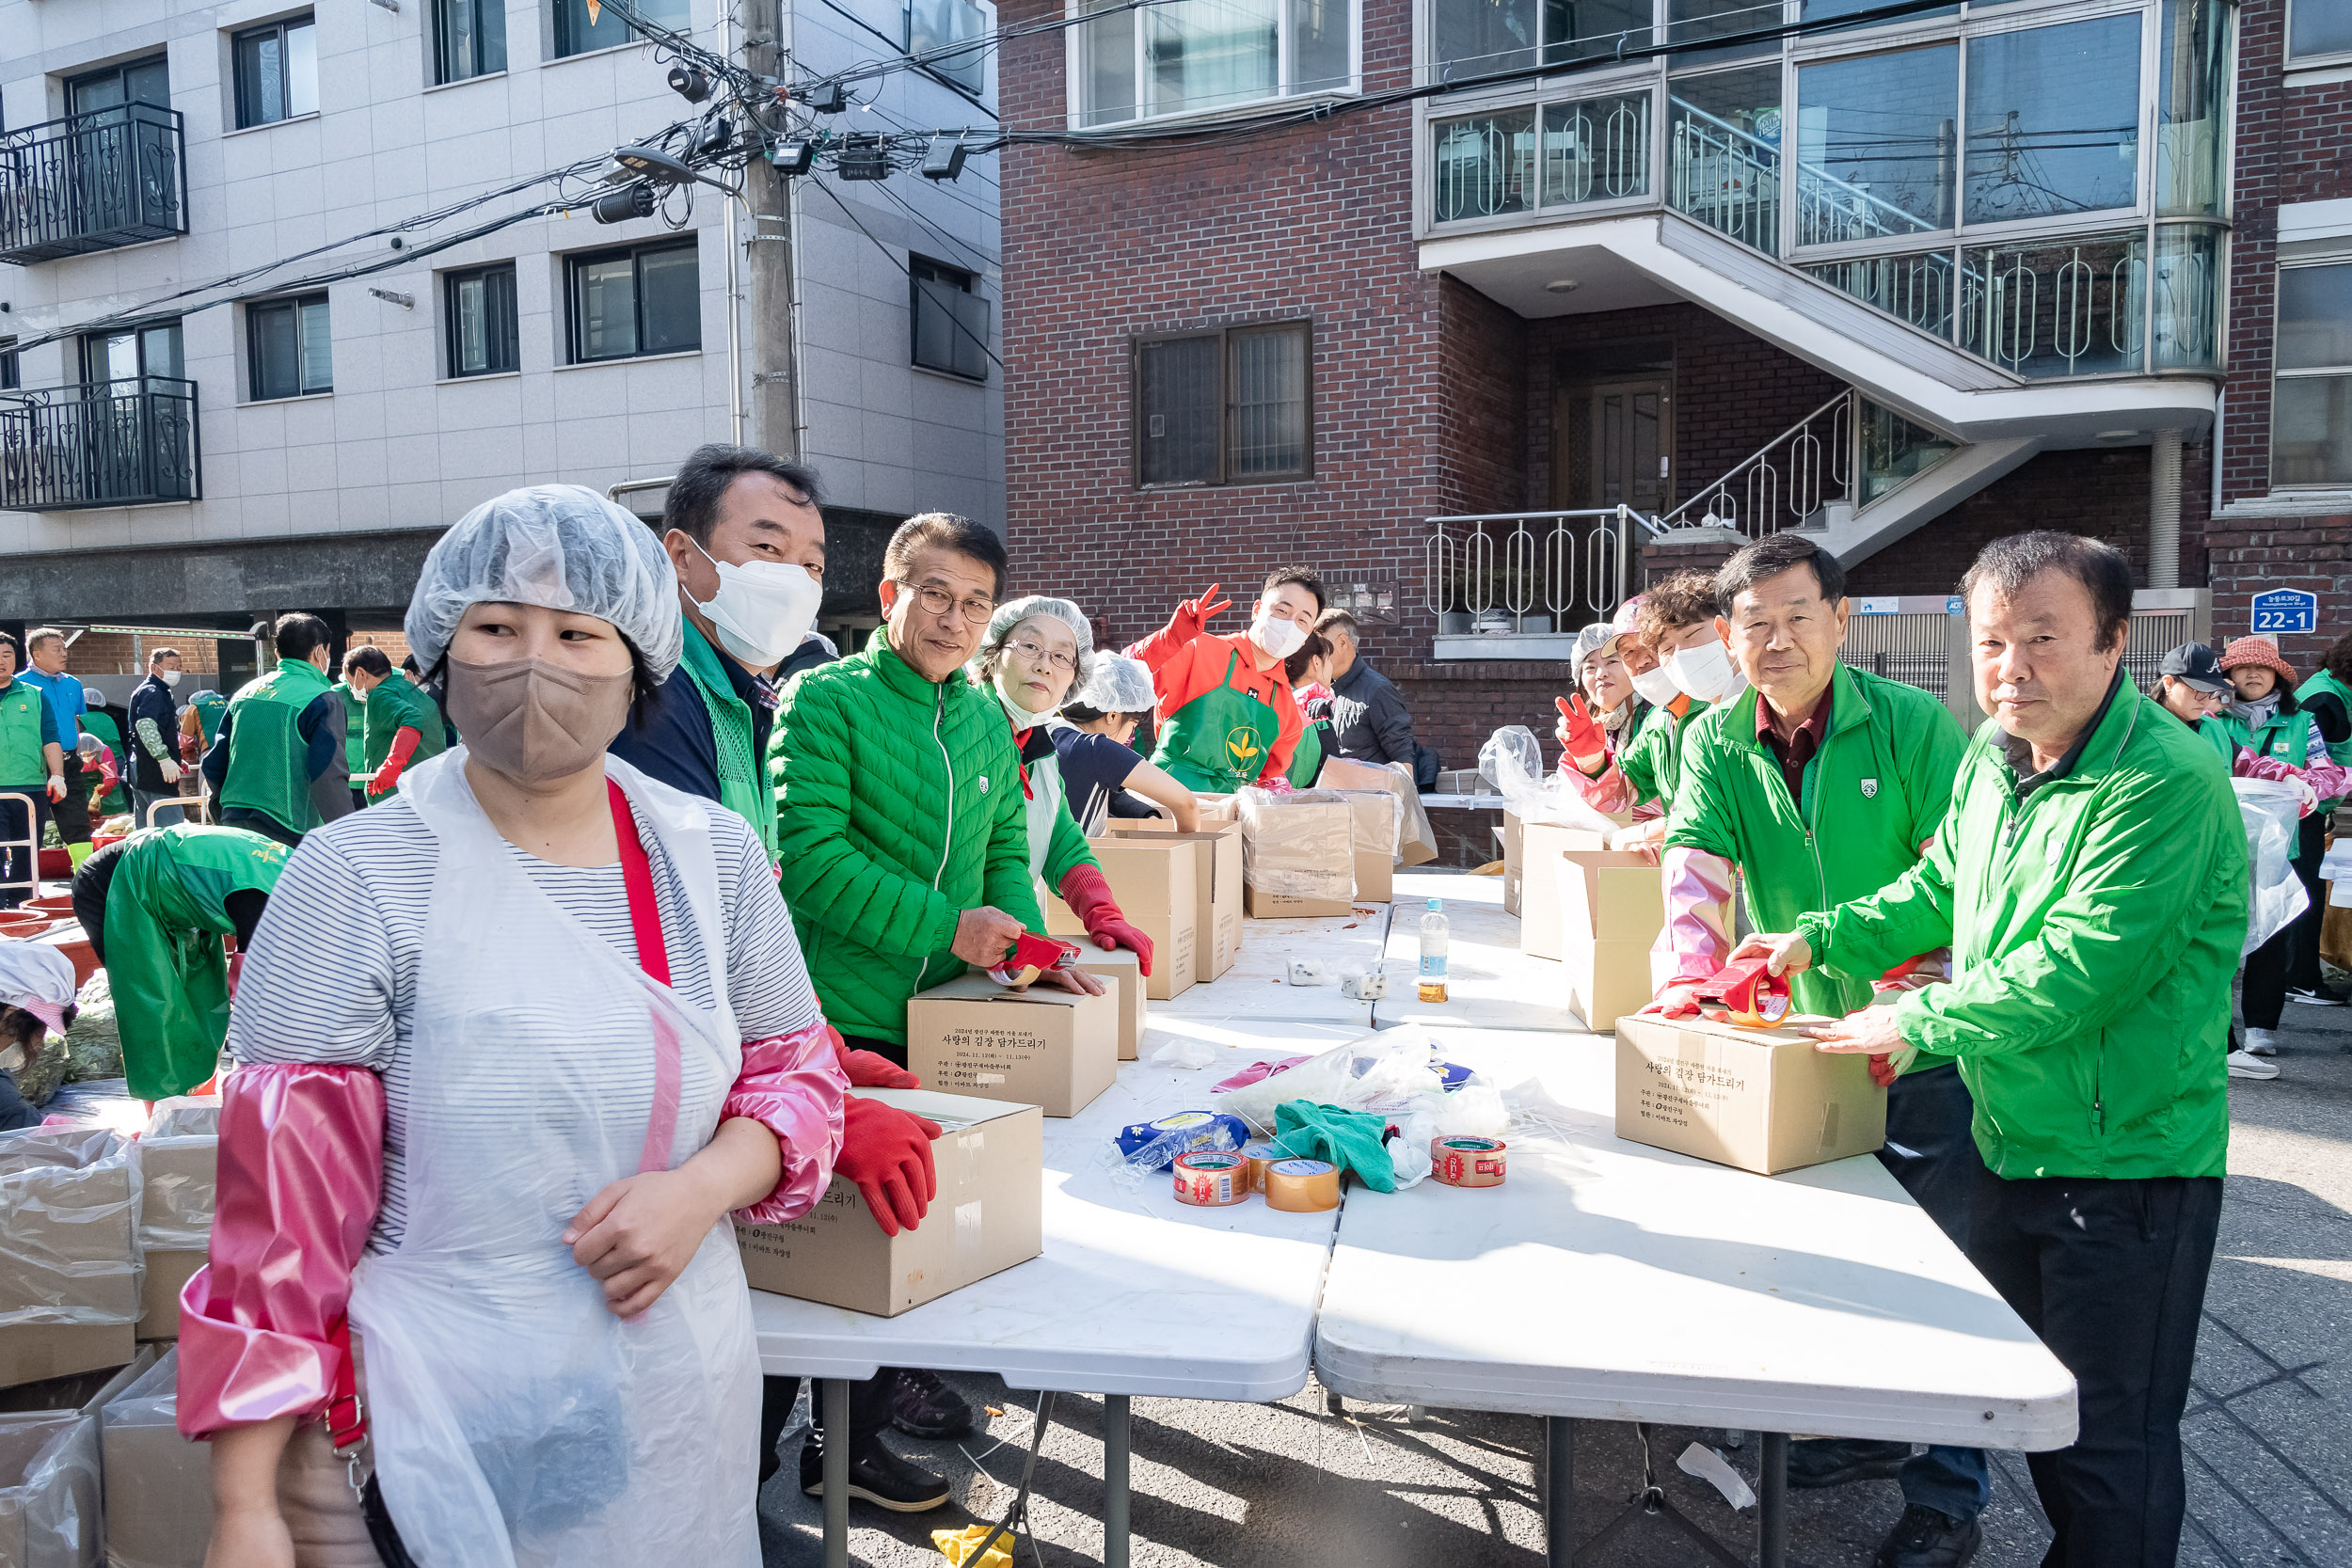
point(1282, 638)
point(358, 695)
point(1656, 686)
point(1022, 717)
point(1704, 672)
point(763, 609)
point(171, 677)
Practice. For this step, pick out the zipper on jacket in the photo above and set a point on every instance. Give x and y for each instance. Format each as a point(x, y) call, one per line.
point(947, 838)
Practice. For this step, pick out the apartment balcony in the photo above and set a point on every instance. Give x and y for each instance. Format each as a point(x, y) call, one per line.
point(92, 181)
point(111, 443)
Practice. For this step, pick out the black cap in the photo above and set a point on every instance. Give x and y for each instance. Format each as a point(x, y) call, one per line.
point(2194, 664)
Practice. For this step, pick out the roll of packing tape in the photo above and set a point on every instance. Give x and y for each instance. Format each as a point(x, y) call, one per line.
point(1212, 1179)
point(1302, 1186)
point(1261, 1154)
point(1465, 1161)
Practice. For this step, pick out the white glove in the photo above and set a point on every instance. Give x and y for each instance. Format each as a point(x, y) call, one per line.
point(2308, 799)
point(57, 786)
point(169, 770)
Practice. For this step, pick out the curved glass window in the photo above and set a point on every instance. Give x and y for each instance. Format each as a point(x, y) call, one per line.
point(1878, 143)
point(2052, 125)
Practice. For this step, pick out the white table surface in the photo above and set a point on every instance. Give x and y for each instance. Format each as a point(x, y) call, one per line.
point(1258, 984)
point(1134, 1294)
point(1609, 1280)
point(1490, 983)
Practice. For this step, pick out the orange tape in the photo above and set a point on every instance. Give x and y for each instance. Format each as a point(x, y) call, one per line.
point(1261, 1154)
point(1212, 1179)
point(1302, 1186)
point(1464, 1161)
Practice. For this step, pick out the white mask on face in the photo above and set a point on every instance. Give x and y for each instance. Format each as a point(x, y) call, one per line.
point(1656, 686)
point(1276, 636)
point(763, 609)
point(1022, 717)
point(171, 677)
point(1704, 672)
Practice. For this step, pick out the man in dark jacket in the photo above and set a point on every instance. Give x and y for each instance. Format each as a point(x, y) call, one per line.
point(1370, 722)
point(153, 743)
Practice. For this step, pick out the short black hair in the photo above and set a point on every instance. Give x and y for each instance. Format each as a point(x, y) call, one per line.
point(1771, 556)
point(2337, 662)
point(1078, 713)
point(1306, 577)
point(2008, 565)
point(297, 633)
point(369, 660)
point(692, 504)
point(1306, 653)
point(408, 662)
point(945, 530)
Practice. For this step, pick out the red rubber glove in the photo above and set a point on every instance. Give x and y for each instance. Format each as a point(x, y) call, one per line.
point(189, 746)
point(403, 747)
point(1882, 1071)
point(1193, 614)
point(887, 1153)
point(870, 1069)
point(1581, 735)
point(1089, 898)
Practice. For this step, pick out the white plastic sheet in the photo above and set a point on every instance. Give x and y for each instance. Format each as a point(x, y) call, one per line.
point(2270, 810)
point(49, 1496)
point(1513, 762)
point(68, 1202)
point(1387, 1072)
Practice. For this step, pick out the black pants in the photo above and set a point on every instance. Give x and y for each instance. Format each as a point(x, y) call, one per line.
point(73, 813)
point(259, 822)
point(869, 1408)
point(894, 1055)
point(2111, 1275)
point(14, 826)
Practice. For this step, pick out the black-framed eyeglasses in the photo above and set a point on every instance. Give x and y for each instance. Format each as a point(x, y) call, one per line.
point(937, 601)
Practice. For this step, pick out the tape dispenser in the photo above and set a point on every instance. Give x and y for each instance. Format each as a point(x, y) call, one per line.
point(1747, 990)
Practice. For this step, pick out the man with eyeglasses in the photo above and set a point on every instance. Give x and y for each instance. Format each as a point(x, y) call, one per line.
point(902, 841)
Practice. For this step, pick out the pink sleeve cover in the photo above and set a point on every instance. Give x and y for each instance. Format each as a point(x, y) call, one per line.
point(1696, 938)
point(793, 1085)
point(2328, 781)
point(301, 1176)
point(1609, 794)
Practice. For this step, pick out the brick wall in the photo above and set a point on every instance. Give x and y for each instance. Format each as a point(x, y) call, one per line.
point(2250, 554)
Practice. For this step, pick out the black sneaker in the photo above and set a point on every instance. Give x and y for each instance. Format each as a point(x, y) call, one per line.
point(1924, 1538)
point(2324, 996)
point(923, 1406)
point(876, 1475)
point(1836, 1461)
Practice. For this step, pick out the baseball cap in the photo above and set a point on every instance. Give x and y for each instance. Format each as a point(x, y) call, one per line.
point(2194, 664)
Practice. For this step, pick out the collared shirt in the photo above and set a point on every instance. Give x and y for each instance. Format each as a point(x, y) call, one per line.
point(1799, 749)
point(677, 745)
point(2019, 750)
point(64, 696)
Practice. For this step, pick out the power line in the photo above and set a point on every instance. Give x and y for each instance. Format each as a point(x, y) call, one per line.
point(894, 261)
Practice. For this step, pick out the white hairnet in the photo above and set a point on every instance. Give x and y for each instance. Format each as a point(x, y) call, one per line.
point(1590, 640)
point(1119, 684)
point(38, 977)
point(560, 546)
point(1011, 614)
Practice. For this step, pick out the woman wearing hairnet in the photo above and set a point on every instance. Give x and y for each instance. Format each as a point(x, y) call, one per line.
point(1101, 770)
point(1035, 650)
point(512, 1046)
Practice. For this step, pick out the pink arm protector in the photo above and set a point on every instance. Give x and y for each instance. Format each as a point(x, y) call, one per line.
point(793, 1084)
point(2328, 781)
point(1696, 941)
point(301, 1176)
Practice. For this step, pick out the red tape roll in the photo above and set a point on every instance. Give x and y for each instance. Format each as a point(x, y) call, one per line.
point(1212, 1179)
point(1465, 1162)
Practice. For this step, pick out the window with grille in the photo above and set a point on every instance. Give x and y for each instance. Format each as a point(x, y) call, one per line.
point(1233, 406)
point(288, 348)
point(950, 318)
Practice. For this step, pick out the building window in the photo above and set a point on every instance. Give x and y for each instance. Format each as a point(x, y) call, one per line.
point(575, 34)
point(1229, 407)
point(286, 341)
point(468, 39)
point(1480, 38)
point(627, 303)
point(146, 82)
point(1203, 54)
point(9, 378)
point(2318, 30)
point(951, 319)
point(481, 320)
point(2053, 123)
point(131, 352)
point(2310, 406)
point(938, 24)
point(277, 72)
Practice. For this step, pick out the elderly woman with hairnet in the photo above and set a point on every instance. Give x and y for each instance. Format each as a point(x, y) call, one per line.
point(512, 1046)
point(1034, 651)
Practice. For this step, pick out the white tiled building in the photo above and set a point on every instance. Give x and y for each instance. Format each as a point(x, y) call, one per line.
point(153, 146)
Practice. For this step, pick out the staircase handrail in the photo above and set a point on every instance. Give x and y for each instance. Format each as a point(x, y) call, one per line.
point(1674, 519)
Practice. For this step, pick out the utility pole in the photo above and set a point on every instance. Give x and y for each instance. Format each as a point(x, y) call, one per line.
point(775, 400)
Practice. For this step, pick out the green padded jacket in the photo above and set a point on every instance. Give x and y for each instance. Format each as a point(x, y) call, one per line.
point(899, 807)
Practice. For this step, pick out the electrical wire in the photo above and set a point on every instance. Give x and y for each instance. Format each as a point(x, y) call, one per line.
point(894, 261)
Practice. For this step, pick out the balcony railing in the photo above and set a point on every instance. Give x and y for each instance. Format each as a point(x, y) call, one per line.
point(108, 443)
point(1527, 573)
point(1848, 453)
point(92, 182)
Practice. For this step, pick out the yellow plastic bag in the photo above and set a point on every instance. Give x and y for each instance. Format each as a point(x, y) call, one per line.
point(957, 1544)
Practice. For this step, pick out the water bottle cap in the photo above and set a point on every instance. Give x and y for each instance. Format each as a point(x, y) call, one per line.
point(1436, 903)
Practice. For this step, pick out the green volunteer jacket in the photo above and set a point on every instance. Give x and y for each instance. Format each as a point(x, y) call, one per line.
point(166, 910)
point(394, 704)
point(267, 771)
point(2339, 752)
point(1652, 760)
point(899, 807)
point(2095, 929)
point(1873, 792)
point(742, 788)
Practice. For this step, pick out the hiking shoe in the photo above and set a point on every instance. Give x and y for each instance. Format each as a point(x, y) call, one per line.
point(2320, 997)
point(1924, 1538)
point(2243, 1065)
point(1836, 1461)
point(876, 1475)
point(923, 1406)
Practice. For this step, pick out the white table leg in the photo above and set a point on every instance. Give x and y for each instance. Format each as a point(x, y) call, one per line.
point(1117, 1431)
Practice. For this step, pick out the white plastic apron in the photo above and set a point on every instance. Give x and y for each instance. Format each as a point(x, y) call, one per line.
point(516, 1422)
point(1045, 804)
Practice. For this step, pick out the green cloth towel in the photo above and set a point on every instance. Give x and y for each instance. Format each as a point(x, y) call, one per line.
point(1349, 1139)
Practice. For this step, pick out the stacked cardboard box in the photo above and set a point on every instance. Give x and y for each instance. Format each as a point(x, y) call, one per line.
point(1217, 893)
point(1042, 1046)
point(1530, 882)
point(1762, 1100)
point(1375, 812)
point(1119, 971)
point(1300, 858)
point(1610, 905)
point(159, 1485)
point(1156, 879)
point(1416, 841)
point(68, 1262)
point(176, 1160)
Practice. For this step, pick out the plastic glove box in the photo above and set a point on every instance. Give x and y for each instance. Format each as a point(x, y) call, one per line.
point(1762, 1100)
point(1042, 1046)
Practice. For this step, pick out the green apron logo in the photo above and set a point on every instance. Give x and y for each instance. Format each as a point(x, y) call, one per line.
point(1242, 746)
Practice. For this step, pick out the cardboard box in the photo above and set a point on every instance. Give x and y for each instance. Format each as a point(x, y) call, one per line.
point(987, 1216)
point(49, 1490)
point(1537, 879)
point(167, 1274)
point(1606, 980)
point(1416, 841)
point(1514, 862)
point(1156, 879)
point(1216, 894)
point(1120, 969)
point(1041, 1046)
point(159, 1496)
point(1762, 1100)
point(1300, 860)
point(32, 1352)
point(69, 1266)
point(1374, 814)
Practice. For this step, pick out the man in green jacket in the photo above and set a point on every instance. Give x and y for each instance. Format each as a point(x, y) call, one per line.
point(278, 766)
point(2092, 880)
point(400, 724)
point(1824, 783)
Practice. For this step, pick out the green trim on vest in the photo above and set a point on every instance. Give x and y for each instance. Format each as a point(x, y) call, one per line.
point(21, 765)
point(2285, 736)
point(167, 911)
point(742, 786)
point(268, 760)
point(355, 732)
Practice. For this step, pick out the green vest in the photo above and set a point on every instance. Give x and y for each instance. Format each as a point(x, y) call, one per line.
point(167, 911)
point(21, 765)
point(268, 760)
point(2339, 752)
point(742, 782)
point(355, 732)
point(1307, 758)
point(1216, 743)
point(2282, 736)
point(209, 707)
point(395, 703)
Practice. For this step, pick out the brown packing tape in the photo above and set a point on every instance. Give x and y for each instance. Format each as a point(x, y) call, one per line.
point(1209, 1178)
point(1260, 1155)
point(1302, 1186)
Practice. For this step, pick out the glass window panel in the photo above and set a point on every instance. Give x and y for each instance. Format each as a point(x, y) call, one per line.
point(147, 82)
point(2192, 98)
point(467, 300)
point(2053, 123)
point(606, 306)
point(576, 34)
point(302, 68)
point(275, 351)
point(2187, 307)
point(1594, 29)
point(257, 78)
point(934, 23)
point(1877, 145)
point(2310, 430)
point(1110, 68)
point(1476, 37)
point(159, 351)
point(2314, 317)
point(8, 374)
point(2318, 27)
point(2058, 308)
point(1484, 165)
point(1823, 10)
point(318, 354)
point(98, 92)
point(1177, 403)
point(1207, 53)
point(1723, 163)
point(117, 356)
point(1269, 410)
point(269, 78)
point(669, 296)
point(1320, 45)
point(1697, 20)
point(1597, 150)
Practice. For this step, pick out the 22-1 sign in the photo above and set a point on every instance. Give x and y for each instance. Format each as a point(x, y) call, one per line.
point(2285, 609)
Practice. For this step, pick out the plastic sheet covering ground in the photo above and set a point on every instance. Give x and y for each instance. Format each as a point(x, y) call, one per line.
point(49, 1493)
point(1513, 762)
point(1387, 1072)
point(69, 1204)
point(2270, 810)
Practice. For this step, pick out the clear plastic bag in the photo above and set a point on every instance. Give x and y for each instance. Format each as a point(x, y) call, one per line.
point(49, 1493)
point(1387, 1072)
point(68, 1209)
point(2271, 811)
point(160, 1502)
point(1513, 761)
point(1300, 845)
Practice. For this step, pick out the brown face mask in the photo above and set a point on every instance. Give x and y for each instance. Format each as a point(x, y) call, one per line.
point(532, 720)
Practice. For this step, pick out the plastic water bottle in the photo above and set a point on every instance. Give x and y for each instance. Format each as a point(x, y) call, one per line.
point(1434, 931)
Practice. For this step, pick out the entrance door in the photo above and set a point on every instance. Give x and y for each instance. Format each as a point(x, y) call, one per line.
point(1632, 443)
